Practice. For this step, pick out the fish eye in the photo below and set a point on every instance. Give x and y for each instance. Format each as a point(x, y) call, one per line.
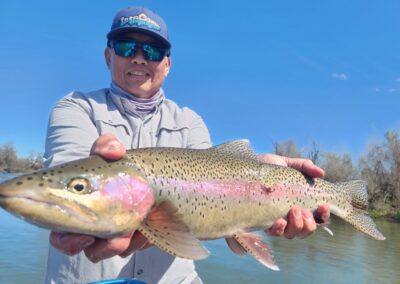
point(79, 185)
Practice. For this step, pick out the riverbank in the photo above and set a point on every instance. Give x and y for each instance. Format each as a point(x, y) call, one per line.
point(391, 216)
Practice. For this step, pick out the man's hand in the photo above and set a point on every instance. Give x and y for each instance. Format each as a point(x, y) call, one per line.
point(299, 222)
point(97, 249)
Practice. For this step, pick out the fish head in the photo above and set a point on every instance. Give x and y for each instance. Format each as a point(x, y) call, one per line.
point(89, 196)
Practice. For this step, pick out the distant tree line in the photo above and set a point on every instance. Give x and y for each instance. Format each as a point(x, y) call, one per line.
point(379, 167)
point(11, 162)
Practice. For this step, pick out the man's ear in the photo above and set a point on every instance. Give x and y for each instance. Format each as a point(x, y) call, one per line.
point(107, 56)
point(167, 65)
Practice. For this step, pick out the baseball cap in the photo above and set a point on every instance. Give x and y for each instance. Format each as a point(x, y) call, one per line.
point(141, 20)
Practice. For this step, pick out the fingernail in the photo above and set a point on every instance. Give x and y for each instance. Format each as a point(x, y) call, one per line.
point(297, 213)
point(112, 145)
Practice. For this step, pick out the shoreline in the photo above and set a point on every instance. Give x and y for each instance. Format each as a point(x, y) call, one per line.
point(392, 216)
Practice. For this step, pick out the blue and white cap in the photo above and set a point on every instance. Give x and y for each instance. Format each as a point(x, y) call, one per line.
point(141, 20)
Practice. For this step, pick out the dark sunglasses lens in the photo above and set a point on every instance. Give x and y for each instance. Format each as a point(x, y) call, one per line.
point(124, 48)
point(153, 53)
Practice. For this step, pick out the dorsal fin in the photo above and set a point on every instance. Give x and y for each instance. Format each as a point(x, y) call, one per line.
point(239, 148)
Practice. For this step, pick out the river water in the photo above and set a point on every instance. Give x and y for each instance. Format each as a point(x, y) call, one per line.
point(348, 257)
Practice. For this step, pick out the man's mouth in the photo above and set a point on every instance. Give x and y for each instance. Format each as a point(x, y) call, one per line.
point(137, 73)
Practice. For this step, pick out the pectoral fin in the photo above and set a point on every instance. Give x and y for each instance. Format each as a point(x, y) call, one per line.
point(165, 228)
point(251, 243)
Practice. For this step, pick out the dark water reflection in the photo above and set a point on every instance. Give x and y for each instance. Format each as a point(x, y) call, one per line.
point(348, 257)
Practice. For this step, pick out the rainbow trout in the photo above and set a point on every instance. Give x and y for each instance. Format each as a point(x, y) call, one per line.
point(177, 197)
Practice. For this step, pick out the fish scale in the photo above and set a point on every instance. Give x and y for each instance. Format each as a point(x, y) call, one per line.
point(177, 197)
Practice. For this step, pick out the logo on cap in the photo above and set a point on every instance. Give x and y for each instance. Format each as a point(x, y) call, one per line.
point(140, 20)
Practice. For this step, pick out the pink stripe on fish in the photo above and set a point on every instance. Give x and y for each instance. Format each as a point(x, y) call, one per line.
point(133, 193)
point(242, 189)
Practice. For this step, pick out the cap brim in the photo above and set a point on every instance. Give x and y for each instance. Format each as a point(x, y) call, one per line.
point(120, 31)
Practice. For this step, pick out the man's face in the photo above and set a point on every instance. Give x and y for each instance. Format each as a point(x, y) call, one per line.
point(137, 75)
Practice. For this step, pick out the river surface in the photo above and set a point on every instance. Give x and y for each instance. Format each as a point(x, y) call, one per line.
point(348, 257)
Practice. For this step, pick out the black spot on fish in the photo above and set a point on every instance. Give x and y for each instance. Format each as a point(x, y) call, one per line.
point(41, 184)
point(29, 178)
point(19, 182)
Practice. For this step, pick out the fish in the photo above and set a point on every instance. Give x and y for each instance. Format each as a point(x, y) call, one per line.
point(179, 197)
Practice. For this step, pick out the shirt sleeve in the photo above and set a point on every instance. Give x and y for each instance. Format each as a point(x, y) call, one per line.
point(198, 135)
point(71, 131)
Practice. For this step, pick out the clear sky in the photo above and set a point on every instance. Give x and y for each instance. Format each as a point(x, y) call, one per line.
point(268, 71)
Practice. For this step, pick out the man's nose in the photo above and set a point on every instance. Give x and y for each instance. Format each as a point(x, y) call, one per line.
point(138, 58)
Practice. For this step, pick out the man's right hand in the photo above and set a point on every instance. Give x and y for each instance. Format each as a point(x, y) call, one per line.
point(97, 249)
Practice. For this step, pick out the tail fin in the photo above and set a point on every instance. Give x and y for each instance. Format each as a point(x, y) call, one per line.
point(359, 217)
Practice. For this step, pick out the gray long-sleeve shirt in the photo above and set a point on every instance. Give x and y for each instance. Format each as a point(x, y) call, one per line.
point(75, 123)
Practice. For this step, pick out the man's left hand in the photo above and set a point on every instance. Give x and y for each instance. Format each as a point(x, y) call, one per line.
point(300, 222)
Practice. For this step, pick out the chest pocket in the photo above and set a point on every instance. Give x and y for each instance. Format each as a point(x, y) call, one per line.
point(118, 129)
point(173, 135)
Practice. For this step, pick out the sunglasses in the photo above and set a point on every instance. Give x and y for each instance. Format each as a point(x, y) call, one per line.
point(128, 48)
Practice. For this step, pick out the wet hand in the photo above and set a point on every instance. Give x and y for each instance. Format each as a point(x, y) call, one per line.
point(299, 222)
point(97, 249)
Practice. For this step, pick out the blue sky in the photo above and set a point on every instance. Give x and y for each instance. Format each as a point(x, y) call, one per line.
point(268, 71)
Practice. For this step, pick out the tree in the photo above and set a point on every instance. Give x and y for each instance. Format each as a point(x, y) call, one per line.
point(10, 162)
point(338, 168)
point(380, 167)
point(288, 149)
point(314, 154)
point(8, 157)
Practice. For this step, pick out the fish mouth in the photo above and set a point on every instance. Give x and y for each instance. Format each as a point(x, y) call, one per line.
point(58, 215)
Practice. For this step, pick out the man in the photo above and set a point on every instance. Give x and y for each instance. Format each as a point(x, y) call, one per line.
point(134, 113)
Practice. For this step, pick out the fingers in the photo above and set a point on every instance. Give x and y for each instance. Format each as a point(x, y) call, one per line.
point(109, 147)
point(300, 223)
point(322, 214)
point(122, 246)
point(98, 249)
point(309, 225)
point(273, 159)
point(278, 228)
point(295, 223)
point(102, 248)
point(138, 242)
point(70, 244)
point(305, 166)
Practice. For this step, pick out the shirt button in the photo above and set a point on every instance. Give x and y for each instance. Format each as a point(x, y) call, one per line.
point(140, 271)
